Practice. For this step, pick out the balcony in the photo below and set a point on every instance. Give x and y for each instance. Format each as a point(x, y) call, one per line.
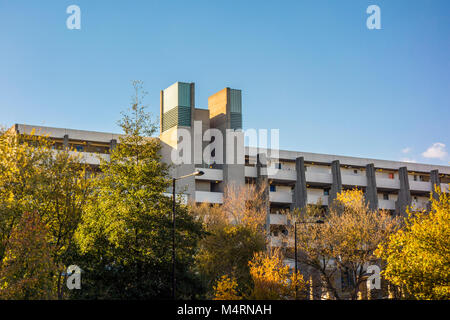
point(280, 197)
point(388, 183)
point(418, 205)
point(318, 177)
point(315, 198)
point(281, 174)
point(209, 197)
point(281, 242)
point(250, 172)
point(280, 219)
point(90, 157)
point(354, 180)
point(386, 204)
point(420, 186)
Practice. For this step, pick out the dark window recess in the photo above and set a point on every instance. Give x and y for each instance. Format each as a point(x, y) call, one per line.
point(385, 196)
point(355, 171)
point(79, 148)
point(326, 192)
point(273, 188)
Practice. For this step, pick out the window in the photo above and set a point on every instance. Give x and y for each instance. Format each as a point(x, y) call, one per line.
point(391, 176)
point(79, 148)
point(385, 196)
point(273, 188)
point(277, 165)
point(355, 171)
point(415, 178)
point(326, 192)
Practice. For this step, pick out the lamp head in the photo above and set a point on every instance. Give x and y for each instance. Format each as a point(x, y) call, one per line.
point(199, 173)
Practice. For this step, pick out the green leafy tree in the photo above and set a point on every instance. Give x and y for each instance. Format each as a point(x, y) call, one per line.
point(125, 236)
point(35, 177)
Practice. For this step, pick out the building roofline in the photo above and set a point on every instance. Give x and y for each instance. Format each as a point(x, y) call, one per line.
point(352, 161)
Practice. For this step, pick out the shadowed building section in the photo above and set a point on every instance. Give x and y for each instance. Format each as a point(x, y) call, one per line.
point(336, 185)
point(300, 198)
point(371, 194)
point(262, 185)
point(435, 183)
point(404, 194)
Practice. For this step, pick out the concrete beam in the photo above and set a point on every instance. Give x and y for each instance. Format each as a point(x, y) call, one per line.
point(435, 182)
point(336, 186)
point(300, 191)
point(262, 185)
point(371, 195)
point(66, 141)
point(112, 144)
point(404, 194)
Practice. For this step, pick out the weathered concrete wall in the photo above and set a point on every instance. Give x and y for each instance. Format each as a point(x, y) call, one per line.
point(404, 194)
point(300, 192)
point(262, 186)
point(336, 186)
point(371, 189)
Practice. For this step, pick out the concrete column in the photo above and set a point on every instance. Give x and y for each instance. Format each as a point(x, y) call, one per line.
point(435, 182)
point(112, 144)
point(336, 186)
point(404, 194)
point(262, 185)
point(371, 195)
point(161, 109)
point(300, 192)
point(66, 141)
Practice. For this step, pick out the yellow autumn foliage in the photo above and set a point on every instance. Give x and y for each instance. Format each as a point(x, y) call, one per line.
point(418, 255)
point(272, 279)
point(226, 288)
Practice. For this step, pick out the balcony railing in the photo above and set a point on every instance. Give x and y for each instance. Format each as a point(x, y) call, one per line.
point(209, 197)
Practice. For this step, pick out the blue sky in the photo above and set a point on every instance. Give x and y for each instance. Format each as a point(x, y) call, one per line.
point(310, 68)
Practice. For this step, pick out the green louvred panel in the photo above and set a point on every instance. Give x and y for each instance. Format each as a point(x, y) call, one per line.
point(235, 101)
point(184, 94)
point(235, 109)
point(236, 120)
point(178, 116)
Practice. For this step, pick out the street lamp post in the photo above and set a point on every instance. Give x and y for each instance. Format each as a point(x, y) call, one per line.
point(196, 173)
point(295, 249)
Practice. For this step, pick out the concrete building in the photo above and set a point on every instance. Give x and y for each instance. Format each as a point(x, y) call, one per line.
point(300, 178)
point(295, 179)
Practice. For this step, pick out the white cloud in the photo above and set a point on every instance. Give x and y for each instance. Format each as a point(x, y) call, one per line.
point(406, 150)
point(408, 160)
point(436, 151)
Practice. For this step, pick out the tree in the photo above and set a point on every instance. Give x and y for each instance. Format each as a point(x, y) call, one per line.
point(226, 288)
point(344, 243)
point(28, 270)
point(272, 279)
point(124, 242)
point(35, 177)
point(235, 232)
point(418, 255)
